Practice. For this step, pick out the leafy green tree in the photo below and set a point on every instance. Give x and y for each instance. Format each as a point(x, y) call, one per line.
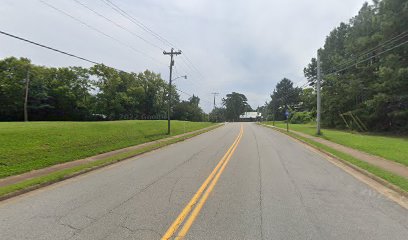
point(235, 104)
point(307, 100)
point(76, 93)
point(189, 110)
point(218, 115)
point(66, 94)
point(54, 93)
point(155, 95)
point(283, 98)
point(13, 73)
point(363, 72)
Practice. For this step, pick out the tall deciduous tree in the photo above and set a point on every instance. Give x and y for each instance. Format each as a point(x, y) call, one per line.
point(235, 104)
point(189, 110)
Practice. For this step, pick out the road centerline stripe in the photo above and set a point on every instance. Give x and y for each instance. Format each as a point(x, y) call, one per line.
point(187, 225)
point(214, 175)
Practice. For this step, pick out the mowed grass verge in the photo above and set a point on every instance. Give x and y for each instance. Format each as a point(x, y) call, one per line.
point(34, 183)
point(35, 145)
point(389, 147)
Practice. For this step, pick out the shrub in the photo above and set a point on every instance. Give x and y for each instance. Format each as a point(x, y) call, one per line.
point(301, 117)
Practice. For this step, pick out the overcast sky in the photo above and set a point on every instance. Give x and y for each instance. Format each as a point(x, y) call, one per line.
point(240, 45)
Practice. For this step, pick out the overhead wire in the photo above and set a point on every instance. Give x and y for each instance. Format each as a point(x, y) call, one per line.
point(360, 61)
point(178, 73)
point(48, 47)
point(384, 44)
point(125, 14)
point(122, 12)
point(118, 25)
point(366, 59)
point(189, 62)
point(99, 31)
point(186, 60)
point(69, 54)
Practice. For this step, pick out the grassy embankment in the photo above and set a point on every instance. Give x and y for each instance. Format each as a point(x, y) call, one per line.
point(391, 148)
point(35, 145)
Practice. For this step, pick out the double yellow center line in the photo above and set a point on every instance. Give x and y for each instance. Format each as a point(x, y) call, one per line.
point(200, 197)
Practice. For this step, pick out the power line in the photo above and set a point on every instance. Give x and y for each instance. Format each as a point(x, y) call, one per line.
point(191, 95)
point(137, 22)
point(132, 19)
point(366, 59)
point(395, 38)
point(188, 62)
point(69, 54)
point(49, 48)
point(194, 83)
point(188, 94)
point(118, 25)
point(126, 15)
point(97, 30)
point(188, 79)
point(389, 42)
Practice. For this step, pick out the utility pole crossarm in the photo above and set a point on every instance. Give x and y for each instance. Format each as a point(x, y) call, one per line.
point(172, 52)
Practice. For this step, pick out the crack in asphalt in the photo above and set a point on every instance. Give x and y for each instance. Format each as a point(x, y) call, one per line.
point(299, 194)
point(260, 184)
point(297, 191)
point(69, 226)
point(134, 231)
point(172, 188)
point(146, 187)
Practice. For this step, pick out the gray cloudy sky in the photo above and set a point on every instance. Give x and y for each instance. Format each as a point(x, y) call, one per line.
point(243, 46)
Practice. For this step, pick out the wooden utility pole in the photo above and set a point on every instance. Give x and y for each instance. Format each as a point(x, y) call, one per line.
point(171, 53)
point(26, 96)
point(287, 118)
point(215, 94)
point(319, 76)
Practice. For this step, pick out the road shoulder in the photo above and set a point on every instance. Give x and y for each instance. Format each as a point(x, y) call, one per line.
point(390, 185)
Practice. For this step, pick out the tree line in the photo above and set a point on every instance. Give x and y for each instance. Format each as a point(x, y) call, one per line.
point(300, 103)
point(365, 74)
point(95, 93)
point(233, 105)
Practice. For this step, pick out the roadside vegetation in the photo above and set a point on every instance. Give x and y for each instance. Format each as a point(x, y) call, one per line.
point(59, 175)
point(388, 147)
point(88, 94)
point(35, 145)
point(364, 64)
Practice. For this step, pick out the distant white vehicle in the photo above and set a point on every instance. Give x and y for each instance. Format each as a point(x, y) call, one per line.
point(251, 116)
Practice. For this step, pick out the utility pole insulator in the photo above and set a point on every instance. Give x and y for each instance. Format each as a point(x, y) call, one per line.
point(171, 53)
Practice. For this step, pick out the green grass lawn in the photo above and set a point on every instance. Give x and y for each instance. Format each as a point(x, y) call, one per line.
point(35, 145)
point(392, 148)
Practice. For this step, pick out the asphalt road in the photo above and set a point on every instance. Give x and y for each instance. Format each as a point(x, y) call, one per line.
point(270, 187)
